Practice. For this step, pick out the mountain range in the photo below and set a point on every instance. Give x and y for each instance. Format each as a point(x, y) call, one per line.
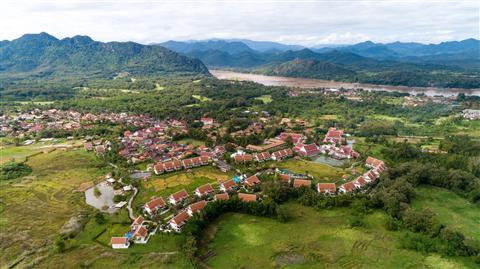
point(43, 55)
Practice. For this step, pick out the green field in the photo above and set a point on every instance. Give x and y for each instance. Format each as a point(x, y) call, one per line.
point(451, 209)
point(317, 170)
point(19, 153)
point(201, 98)
point(311, 239)
point(265, 98)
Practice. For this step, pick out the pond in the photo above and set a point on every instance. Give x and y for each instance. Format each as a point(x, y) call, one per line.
point(104, 201)
point(329, 161)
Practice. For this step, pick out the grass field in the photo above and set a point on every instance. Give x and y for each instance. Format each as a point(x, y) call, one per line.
point(38, 206)
point(19, 153)
point(317, 170)
point(312, 239)
point(451, 209)
point(265, 98)
point(164, 185)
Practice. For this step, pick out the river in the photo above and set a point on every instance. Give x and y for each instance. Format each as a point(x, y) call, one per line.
point(309, 83)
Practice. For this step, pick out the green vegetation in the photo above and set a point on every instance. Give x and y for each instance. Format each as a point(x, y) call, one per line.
point(13, 170)
point(265, 98)
point(310, 239)
point(319, 171)
point(450, 209)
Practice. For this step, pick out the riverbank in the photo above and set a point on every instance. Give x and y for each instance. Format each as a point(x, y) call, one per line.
point(308, 83)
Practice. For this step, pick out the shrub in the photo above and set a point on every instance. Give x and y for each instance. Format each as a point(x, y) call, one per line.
point(12, 170)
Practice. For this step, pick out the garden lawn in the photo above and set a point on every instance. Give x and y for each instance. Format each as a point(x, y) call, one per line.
point(318, 170)
point(451, 209)
point(311, 239)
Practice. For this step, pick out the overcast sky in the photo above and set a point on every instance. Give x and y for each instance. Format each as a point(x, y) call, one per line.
point(305, 22)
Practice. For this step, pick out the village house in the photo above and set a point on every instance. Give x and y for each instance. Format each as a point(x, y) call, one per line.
point(178, 197)
point(88, 146)
point(243, 158)
point(343, 152)
point(360, 182)
point(227, 185)
point(282, 154)
point(206, 121)
point(285, 178)
point(154, 205)
point(221, 197)
point(307, 150)
point(203, 190)
point(296, 138)
point(262, 156)
point(196, 207)
point(177, 222)
point(334, 136)
point(328, 188)
point(246, 197)
point(297, 183)
point(373, 163)
point(119, 242)
point(140, 236)
point(347, 187)
point(252, 181)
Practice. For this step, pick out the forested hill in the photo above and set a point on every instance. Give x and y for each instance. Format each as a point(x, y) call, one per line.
point(43, 55)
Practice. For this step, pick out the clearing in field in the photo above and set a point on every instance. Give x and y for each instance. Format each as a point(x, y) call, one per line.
point(19, 153)
point(451, 209)
point(201, 98)
point(311, 239)
point(265, 98)
point(191, 141)
point(318, 170)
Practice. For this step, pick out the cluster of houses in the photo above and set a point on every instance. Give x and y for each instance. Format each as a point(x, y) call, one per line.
point(34, 121)
point(175, 165)
point(471, 114)
point(191, 204)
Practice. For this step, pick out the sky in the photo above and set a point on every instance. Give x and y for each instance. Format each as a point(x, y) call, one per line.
point(303, 22)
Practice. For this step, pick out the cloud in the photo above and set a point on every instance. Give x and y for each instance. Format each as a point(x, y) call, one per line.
point(295, 22)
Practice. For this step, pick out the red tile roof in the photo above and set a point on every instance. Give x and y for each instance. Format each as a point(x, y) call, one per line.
point(181, 218)
point(195, 207)
point(246, 197)
point(155, 203)
point(251, 181)
point(118, 240)
point(205, 189)
point(302, 182)
point(139, 220)
point(349, 186)
point(179, 195)
point(222, 196)
point(322, 187)
point(229, 184)
point(141, 232)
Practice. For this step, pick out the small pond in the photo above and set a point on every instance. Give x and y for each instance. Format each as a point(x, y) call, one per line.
point(330, 161)
point(104, 201)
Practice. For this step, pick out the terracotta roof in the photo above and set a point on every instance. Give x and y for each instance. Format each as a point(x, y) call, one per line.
point(285, 178)
point(155, 203)
point(222, 196)
point(302, 182)
point(349, 186)
point(180, 218)
point(229, 184)
point(253, 180)
point(322, 187)
point(141, 232)
point(118, 240)
point(179, 195)
point(195, 207)
point(139, 220)
point(205, 189)
point(246, 197)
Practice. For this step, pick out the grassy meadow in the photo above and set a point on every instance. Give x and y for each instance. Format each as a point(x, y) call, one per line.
point(311, 239)
point(319, 171)
point(451, 209)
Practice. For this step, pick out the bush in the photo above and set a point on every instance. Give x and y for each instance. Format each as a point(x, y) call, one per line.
point(12, 170)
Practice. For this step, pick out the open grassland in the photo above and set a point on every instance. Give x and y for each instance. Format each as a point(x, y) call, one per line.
point(312, 239)
point(19, 153)
point(36, 207)
point(319, 171)
point(164, 185)
point(265, 98)
point(451, 209)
